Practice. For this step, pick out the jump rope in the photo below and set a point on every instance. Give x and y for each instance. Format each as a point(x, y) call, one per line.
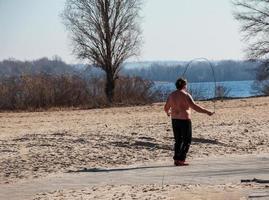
point(213, 74)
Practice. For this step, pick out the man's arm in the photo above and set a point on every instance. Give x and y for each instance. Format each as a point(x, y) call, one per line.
point(196, 107)
point(167, 106)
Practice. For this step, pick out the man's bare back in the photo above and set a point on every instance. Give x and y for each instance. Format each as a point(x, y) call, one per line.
point(180, 103)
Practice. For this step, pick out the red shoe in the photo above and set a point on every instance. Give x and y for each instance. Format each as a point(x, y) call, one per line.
point(183, 163)
point(180, 163)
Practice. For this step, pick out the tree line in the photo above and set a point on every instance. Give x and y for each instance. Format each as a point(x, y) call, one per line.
point(226, 70)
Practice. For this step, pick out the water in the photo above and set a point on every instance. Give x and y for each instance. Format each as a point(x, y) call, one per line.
point(206, 90)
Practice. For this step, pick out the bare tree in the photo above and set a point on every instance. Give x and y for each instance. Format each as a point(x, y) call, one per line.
point(254, 18)
point(105, 33)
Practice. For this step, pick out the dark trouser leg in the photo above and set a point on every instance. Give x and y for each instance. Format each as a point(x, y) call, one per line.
point(182, 134)
point(187, 135)
point(178, 139)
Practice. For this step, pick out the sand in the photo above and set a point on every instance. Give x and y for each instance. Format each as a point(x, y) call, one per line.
point(157, 192)
point(36, 144)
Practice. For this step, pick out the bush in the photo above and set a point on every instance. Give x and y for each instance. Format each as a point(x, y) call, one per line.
point(32, 92)
point(135, 90)
point(196, 93)
point(222, 92)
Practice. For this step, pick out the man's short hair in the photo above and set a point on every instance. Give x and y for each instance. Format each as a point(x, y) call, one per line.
point(180, 83)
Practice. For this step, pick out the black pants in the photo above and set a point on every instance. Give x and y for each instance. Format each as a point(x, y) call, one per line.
point(182, 134)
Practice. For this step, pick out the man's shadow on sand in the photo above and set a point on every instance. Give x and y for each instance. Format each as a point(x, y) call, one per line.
point(98, 170)
point(147, 144)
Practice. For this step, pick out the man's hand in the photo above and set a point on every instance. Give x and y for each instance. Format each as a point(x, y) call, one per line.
point(168, 113)
point(210, 113)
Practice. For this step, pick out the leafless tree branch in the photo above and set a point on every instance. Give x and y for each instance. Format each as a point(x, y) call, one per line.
point(105, 32)
point(254, 18)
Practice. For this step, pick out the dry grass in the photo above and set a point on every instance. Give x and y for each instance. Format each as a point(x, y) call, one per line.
point(38, 92)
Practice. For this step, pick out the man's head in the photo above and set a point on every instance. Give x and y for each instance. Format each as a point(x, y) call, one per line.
point(181, 83)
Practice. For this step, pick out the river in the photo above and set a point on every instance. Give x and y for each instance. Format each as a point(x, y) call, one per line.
point(206, 90)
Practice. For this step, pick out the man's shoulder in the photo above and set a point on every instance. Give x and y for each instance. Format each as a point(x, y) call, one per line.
point(187, 94)
point(179, 93)
point(182, 92)
point(174, 93)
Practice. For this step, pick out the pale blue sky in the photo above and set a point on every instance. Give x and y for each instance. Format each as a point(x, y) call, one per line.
point(172, 30)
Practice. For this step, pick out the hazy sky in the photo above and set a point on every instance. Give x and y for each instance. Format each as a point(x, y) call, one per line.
point(172, 30)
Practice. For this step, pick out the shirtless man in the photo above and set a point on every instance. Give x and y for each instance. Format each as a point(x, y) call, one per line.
point(179, 105)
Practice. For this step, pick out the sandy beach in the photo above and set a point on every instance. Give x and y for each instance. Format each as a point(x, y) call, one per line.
point(146, 192)
point(37, 144)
